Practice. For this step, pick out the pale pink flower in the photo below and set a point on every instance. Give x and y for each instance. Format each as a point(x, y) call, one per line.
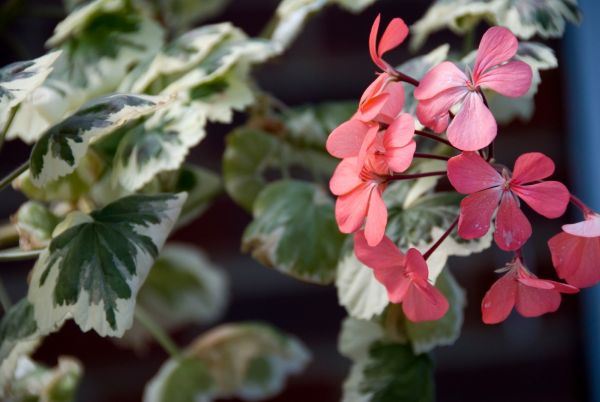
point(489, 190)
point(446, 87)
point(405, 278)
point(522, 290)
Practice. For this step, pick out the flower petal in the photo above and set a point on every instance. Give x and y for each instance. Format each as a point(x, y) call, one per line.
point(400, 159)
point(351, 208)
point(512, 227)
point(590, 227)
point(532, 166)
point(533, 301)
point(416, 264)
point(400, 132)
point(476, 212)
point(433, 112)
point(385, 256)
point(512, 79)
point(345, 177)
point(377, 216)
point(576, 259)
point(366, 144)
point(474, 126)
point(394, 35)
point(469, 173)
point(369, 110)
point(347, 138)
point(499, 300)
point(442, 77)
point(423, 302)
point(548, 198)
point(394, 104)
point(497, 45)
point(373, 43)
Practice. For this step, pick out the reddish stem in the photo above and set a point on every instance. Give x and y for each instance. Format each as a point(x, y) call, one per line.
point(581, 205)
point(431, 156)
point(403, 77)
point(415, 176)
point(440, 240)
point(433, 137)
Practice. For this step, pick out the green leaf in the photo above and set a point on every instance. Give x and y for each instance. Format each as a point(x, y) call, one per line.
point(294, 231)
point(247, 360)
point(157, 144)
point(35, 224)
point(181, 14)
point(395, 374)
point(92, 270)
point(183, 287)
point(61, 147)
point(18, 80)
point(424, 336)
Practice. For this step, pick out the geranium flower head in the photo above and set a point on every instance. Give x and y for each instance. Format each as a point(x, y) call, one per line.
point(488, 190)
point(576, 252)
point(392, 37)
point(359, 187)
point(405, 278)
point(446, 87)
point(521, 289)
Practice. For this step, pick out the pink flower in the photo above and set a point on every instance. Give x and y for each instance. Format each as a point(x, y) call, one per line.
point(405, 278)
point(445, 87)
point(359, 188)
point(576, 252)
point(488, 189)
point(521, 289)
point(395, 145)
point(393, 36)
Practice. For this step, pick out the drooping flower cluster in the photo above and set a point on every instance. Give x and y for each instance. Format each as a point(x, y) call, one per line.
point(377, 145)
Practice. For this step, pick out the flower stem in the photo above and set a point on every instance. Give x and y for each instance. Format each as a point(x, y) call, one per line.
point(416, 175)
point(431, 156)
point(13, 175)
point(433, 137)
point(440, 240)
point(157, 332)
point(406, 78)
point(581, 205)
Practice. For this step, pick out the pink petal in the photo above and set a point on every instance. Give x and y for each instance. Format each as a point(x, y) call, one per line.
point(345, 177)
point(367, 143)
point(442, 77)
point(532, 166)
point(497, 45)
point(424, 302)
point(469, 173)
point(474, 126)
point(375, 87)
point(385, 256)
point(351, 208)
point(345, 141)
point(590, 227)
point(512, 79)
point(536, 283)
point(433, 112)
point(394, 103)
point(372, 107)
point(416, 264)
point(373, 44)
point(400, 132)
point(376, 218)
point(576, 259)
point(533, 302)
point(476, 212)
point(400, 159)
point(512, 227)
point(548, 198)
point(394, 35)
point(499, 300)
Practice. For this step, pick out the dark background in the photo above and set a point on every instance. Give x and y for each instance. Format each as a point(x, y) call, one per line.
point(519, 360)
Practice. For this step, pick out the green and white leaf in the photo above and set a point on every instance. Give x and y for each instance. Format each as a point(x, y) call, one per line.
point(92, 270)
point(60, 149)
point(34, 223)
point(19, 336)
point(294, 231)
point(20, 79)
point(181, 14)
point(183, 287)
point(159, 143)
point(249, 361)
point(35, 382)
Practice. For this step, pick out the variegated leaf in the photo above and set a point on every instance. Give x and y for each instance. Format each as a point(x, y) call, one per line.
point(183, 287)
point(248, 360)
point(60, 149)
point(18, 80)
point(94, 267)
point(294, 231)
point(181, 14)
point(34, 223)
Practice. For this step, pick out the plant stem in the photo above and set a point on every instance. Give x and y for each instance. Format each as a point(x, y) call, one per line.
point(431, 156)
point(16, 254)
point(159, 334)
point(11, 117)
point(433, 137)
point(440, 240)
point(581, 205)
point(416, 175)
point(406, 78)
point(4, 297)
point(5, 182)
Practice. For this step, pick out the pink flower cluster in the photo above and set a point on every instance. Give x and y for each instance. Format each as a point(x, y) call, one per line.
point(377, 146)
